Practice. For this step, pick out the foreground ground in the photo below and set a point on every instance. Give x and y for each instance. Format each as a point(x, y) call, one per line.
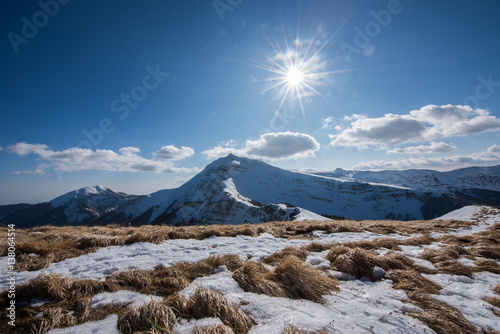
point(438, 276)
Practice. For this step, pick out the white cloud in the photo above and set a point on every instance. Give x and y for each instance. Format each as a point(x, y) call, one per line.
point(40, 170)
point(387, 130)
point(272, 146)
point(490, 156)
point(433, 147)
point(494, 148)
point(327, 122)
point(79, 159)
point(428, 123)
point(173, 153)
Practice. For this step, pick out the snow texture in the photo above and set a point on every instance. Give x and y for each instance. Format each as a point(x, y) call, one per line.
point(360, 306)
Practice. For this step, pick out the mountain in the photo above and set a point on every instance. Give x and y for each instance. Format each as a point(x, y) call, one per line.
point(481, 184)
point(235, 190)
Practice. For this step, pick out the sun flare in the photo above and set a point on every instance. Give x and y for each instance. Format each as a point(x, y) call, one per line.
point(297, 70)
point(294, 77)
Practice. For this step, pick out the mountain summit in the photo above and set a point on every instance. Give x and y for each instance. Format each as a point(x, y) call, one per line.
point(235, 190)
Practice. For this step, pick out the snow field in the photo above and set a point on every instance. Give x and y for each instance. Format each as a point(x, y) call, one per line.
point(360, 306)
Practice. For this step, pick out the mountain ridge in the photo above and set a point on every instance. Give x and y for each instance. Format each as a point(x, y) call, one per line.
point(235, 190)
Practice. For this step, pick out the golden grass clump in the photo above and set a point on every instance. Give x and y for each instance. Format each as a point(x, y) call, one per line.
point(27, 262)
point(424, 239)
point(255, 277)
point(453, 267)
point(336, 251)
point(53, 318)
point(356, 262)
point(205, 303)
point(393, 260)
point(497, 289)
point(53, 287)
point(317, 247)
point(212, 329)
point(292, 278)
point(495, 301)
point(304, 281)
point(60, 288)
point(82, 308)
point(277, 257)
point(488, 251)
point(150, 237)
point(137, 279)
point(98, 241)
point(444, 253)
point(412, 280)
point(440, 317)
point(141, 319)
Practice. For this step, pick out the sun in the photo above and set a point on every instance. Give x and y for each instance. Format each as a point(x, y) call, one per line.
point(295, 77)
point(296, 72)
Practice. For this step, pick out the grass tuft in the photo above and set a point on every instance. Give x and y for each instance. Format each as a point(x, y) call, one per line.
point(356, 262)
point(254, 277)
point(53, 318)
point(205, 303)
point(495, 301)
point(440, 317)
point(303, 281)
point(292, 278)
point(278, 257)
point(412, 280)
point(139, 319)
point(487, 265)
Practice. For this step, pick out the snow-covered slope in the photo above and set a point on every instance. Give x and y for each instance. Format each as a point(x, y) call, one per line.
point(484, 178)
point(234, 190)
point(90, 203)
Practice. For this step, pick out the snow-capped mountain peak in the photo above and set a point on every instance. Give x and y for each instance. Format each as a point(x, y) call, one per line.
point(234, 190)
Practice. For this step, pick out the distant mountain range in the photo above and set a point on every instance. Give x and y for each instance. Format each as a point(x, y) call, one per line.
point(235, 190)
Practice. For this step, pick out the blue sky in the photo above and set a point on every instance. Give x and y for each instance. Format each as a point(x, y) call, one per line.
point(140, 96)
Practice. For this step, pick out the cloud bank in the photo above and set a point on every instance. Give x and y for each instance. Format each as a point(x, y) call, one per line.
point(428, 123)
point(433, 147)
point(271, 146)
point(490, 156)
point(127, 159)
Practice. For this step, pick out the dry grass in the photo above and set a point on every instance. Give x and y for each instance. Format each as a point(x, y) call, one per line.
point(440, 317)
point(453, 267)
point(205, 303)
point(495, 301)
point(255, 277)
point(37, 248)
point(497, 289)
point(167, 281)
point(53, 244)
point(98, 241)
point(411, 280)
point(219, 329)
point(60, 288)
point(444, 253)
point(303, 281)
point(291, 278)
point(487, 265)
point(53, 318)
point(143, 318)
point(318, 247)
point(357, 262)
point(278, 257)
